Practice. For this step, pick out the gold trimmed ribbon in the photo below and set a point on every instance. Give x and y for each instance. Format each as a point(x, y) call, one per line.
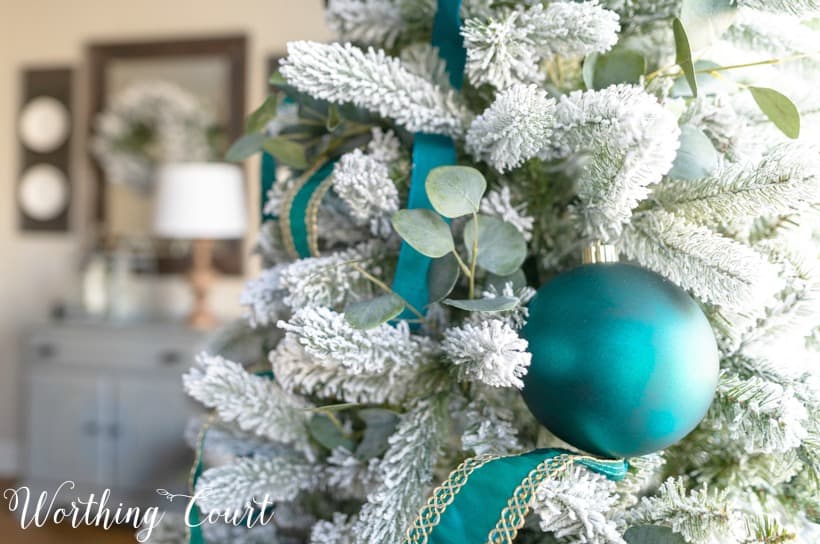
point(486, 499)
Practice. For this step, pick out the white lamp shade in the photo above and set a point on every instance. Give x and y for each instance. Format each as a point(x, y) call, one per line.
point(199, 200)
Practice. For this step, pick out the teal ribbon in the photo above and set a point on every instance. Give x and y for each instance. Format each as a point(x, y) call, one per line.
point(410, 280)
point(430, 151)
point(195, 535)
point(298, 210)
point(478, 505)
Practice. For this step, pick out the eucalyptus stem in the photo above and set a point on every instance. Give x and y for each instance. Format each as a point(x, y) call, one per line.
point(386, 288)
point(766, 62)
point(462, 264)
point(659, 71)
point(473, 257)
point(336, 422)
point(332, 407)
point(753, 64)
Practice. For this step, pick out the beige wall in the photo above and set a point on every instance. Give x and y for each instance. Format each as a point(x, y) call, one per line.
point(37, 269)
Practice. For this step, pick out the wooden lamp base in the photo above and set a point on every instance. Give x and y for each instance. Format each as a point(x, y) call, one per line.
point(201, 278)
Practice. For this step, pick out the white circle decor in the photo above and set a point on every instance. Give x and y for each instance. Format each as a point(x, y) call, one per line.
point(44, 124)
point(43, 192)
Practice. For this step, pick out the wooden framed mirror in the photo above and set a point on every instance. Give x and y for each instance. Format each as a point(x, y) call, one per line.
point(210, 70)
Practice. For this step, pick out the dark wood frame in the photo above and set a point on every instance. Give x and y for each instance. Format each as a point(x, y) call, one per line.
point(234, 47)
point(57, 83)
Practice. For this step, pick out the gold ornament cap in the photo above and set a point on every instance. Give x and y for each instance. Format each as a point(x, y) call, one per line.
point(597, 252)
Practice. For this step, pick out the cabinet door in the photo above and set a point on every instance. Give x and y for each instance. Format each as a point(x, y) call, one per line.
point(151, 449)
point(68, 420)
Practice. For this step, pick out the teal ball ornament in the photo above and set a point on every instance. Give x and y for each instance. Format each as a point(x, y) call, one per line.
point(624, 362)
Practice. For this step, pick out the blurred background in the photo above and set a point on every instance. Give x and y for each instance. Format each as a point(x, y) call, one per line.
point(123, 240)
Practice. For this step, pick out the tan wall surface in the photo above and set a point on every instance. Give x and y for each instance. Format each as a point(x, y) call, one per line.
point(37, 269)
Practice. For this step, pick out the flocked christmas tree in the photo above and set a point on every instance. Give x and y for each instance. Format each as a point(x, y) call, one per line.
point(667, 129)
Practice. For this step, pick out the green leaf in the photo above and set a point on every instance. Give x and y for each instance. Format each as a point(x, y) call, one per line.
point(706, 20)
point(240, 342)
point(312, 108)
point(334, 118)
point(652, 534)
point(287, 152)
point(328, 434)
point(501, 248)
point(244, 147)
point(349, 144)
point(517, 278)
point(779, 109)
point(358, 115)
point(302, 132)
point(277, 79)
point(697, 156)
point(442, 277)
point(455, 190)
point(262, 115)
point(496, 304)
point(624, 66)
point(425, 231)
point(380, 425)
point(372, 313)
point(683, 55)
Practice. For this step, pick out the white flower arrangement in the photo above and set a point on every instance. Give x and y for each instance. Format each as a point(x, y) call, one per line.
point(149, 123)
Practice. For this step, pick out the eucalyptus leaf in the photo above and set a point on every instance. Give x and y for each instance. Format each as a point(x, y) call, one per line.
point(779, 109)
point(707, 83)
point(501, 248)
point(328, 434)
point(277, 80)
point(372, 313)
point(287, 152)
point(302, 132)
point(312, 108)
point(442, 277)
point(624, 66)
point(379, 426)
point(244, 147)
point(652, 534)
point(455, 191)
point(334, 118)
point(494, 304)
point(683, 55)
point(309, 107)
point(697, 156)
point(348, 145)
point(358, 115)
point(425, 231)
point(262, 115)
point(242, 343)
point(517, 279)
point(707, 20)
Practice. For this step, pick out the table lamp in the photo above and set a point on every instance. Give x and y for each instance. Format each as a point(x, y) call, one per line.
point(201, 202)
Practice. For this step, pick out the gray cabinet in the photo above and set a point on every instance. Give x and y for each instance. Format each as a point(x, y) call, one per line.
point(68, 418)
point(104, 407)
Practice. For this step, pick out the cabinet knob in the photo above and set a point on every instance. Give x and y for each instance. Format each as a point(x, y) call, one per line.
point(45, 350)
point(170, 357)
point(114, 430)
point(91, 428)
